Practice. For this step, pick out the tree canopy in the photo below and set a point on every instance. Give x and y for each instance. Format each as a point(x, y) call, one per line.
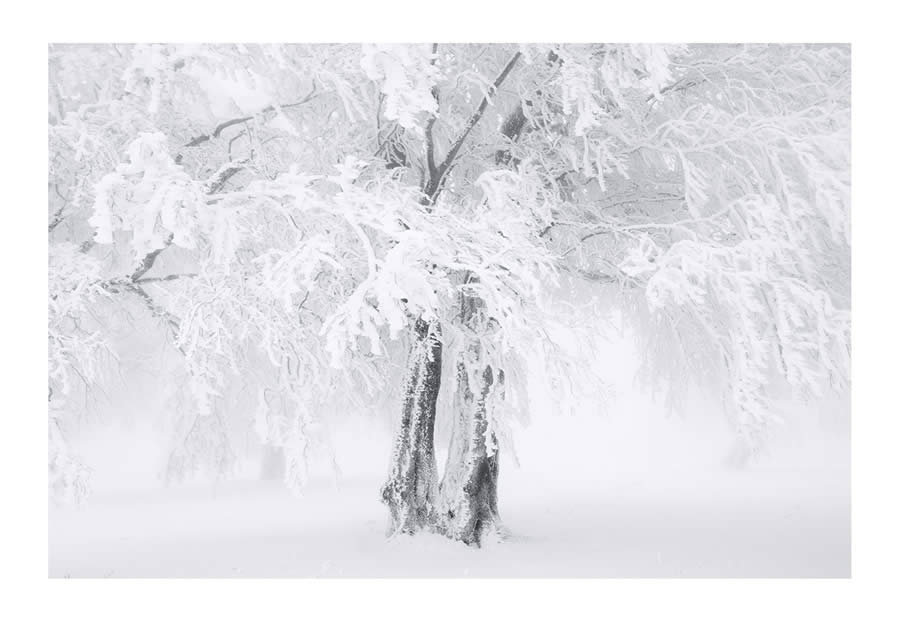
point(286, 214)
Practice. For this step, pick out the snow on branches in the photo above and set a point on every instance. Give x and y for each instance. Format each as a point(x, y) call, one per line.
point(149, 196)
point(406, 74)
point(241, 193)
point(755, 141)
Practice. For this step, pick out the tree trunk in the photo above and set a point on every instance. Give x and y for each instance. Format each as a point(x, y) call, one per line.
point(469, 488)
point(411, 489)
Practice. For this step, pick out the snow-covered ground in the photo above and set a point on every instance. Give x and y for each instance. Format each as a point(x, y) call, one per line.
point(626, 494)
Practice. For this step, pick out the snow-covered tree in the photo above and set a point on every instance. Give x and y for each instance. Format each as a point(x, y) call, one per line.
point(305, 221)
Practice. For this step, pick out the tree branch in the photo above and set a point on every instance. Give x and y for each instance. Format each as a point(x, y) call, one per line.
point(58, 215)
point(212, 186)
point(57, 218)
point(199, 140)
point(149, 259)
point(434, 183)
point(218, 180)
point(171, 320)
point(170, 277)
point(429, 127)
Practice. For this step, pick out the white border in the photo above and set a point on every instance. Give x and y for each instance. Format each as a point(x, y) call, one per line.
point(28, 594)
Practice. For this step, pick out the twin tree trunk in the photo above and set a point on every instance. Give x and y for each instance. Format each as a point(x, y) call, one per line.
point(464, 506)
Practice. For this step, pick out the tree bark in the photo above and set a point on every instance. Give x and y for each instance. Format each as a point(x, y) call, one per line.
point(469, 488)
point(411, 490)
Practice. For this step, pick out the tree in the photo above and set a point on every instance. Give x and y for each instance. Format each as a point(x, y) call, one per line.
point(322, 209)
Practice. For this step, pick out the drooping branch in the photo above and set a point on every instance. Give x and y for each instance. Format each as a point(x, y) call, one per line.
point(211, 186)
point(154, 308)
point(126, 285)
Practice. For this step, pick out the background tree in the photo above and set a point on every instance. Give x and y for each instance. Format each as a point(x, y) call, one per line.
point(296, 217)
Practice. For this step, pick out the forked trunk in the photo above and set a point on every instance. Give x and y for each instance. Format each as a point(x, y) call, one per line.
point(411, 490)
point(469, 488)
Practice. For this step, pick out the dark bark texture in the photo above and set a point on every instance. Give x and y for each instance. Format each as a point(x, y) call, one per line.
point(469, 488)
point(411, 490)
point(469, 491)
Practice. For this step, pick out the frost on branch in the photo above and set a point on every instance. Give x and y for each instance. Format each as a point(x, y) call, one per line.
point(704, 190)
point(643, 66)
point(74, 287)
point(406, 75)
point(727, 208)
point(68, 476)
point(78, 349)
point(149, 196)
